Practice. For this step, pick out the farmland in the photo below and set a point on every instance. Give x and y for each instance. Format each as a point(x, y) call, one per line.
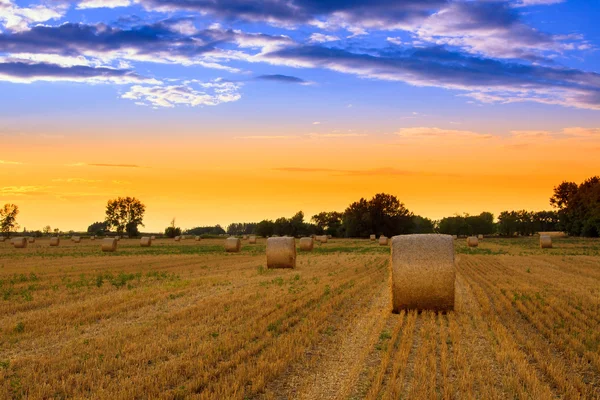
point(187, 320)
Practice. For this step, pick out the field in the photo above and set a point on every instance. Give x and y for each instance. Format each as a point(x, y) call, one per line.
point(186, 320)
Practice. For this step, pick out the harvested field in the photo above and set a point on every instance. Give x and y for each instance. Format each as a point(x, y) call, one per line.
point(188, 320)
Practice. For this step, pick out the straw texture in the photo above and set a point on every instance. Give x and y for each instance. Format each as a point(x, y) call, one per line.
point(472, 241)
point(373, 237)
point(545, 242)
point(76, 239)
point(306, 244)
point(281, 252)
point(233, 245)
point(146, 241)
point(109, 244)
point(252, 240)
point(54, 241)
point(19, 242)
point(423, 272)
point(383, 241)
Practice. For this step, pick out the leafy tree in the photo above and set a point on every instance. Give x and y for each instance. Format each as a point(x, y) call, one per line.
point(508, 223)
point(206, 230)
point(265, 228)
point(47, 229)
point(125, 214)
point(329, 222)
point(97, 228)
point(383, 214)
point(8, 219)
point(423, 225)
point(172, 230)
point(578, 207)
point(455, 225)
point(241, 228)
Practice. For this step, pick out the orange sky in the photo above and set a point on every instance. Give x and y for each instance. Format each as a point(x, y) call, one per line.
point(233, 177)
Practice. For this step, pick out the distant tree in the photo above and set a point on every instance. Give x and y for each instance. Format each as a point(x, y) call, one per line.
point(97, 228)
point(56, 231)
point(383, 214)
point(47, 229)
point(265, 228)
point(206, 230)
point(8, 219)
point(422, 225)
point(329, 222)
point(578, 207)
point(172, 230)
point(241, 228)
point(125, 214)
point(508, 223)
point(455, 225)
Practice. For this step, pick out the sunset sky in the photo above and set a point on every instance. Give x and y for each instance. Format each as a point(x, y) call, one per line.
point(239, 110)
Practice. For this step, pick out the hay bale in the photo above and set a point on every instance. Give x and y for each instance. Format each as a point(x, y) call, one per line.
point(329, 237)
point(322, 239)
point(109, 244)
point(423, 272)
point(76, 239)
point(197, 238)
point(2, 239)
point(306, 244)
point(383, 240)
point(454, 237)
point(31, 240)
point(146, 241)
point(556, 234)
point(117, 238)
point(252, 240)
point(545, 242)
point(479, 237)
point(93, 238)
point(373, 238)
point(54, 241)
point(233, 245)
point(281, 252)
point(177, 238)
point(153, 237)
point(19, 242)
point(472, 241)
point(245, 237)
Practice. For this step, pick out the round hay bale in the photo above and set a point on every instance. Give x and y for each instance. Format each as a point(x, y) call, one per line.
point(322, 239)
point(2, 239)
point(109, 244)
point(233, 245)
point(19, 242)
point(373, 237)
point(383, 240)
point(31, 240)
point(93, 238)
point(556, 234)
point(197, 238)
point(245, 237)
point(306, 244)
point(76, 239)
point(153, 237)
point(545, 242)
point(281, 252)
point(454, 237)
point(479, 237)
point(177, 238)
point(423, 272)
point(54, 241)
point(472, 241)
point(252, 240)
point(117, 238)
point(329, 237)
point(146, 241)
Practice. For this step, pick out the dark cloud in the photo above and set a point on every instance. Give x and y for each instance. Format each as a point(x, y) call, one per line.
point(281, 78)
point(21, 71)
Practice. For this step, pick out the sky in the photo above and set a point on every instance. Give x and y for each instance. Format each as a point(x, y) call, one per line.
point(240, 110)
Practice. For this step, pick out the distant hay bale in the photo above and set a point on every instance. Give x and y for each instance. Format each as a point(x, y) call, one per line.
point(2, 239)
point(233, 245)
point(93, 238)
point(281, 252)
point(177, 238)
point(306, 244)
point(329, 237)
point(423, 272)
point(555, 234)
point(245, 237)
point(54, 241)
point(109, 244)
point(472, 241)
point(146, 241)
point(252, 240)
point(197, 238)
point(545, 242)
point(76, 239)
point(322, 239)
point(479, 237)
point(153, 237)
point(454, 237)
point(117, 238)
point(383, 240)
point(31, 240)
point(19, 242)
point(373, 238)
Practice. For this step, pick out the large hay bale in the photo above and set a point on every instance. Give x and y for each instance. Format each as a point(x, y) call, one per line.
point(281, 252)
point(423, 272)
point(545, 242)
point(373, 237)
point(479, 237)
point(109, 244)
point(252, 239)
point(233, 245)
point(76, 239)
point(19, 242)
point(306, 244)
point(146, 241)
point(31, 240)
point(54, 241)
point(383, 240)
point(472, 241)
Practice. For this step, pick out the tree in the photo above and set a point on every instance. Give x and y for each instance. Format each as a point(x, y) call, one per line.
point(384, 214)
point(265, 228)
point(578, 207)
point(125, 214)
point(422, 225)
point(329, 222)
point(8, 219)
point(206, 230)
point(97, 228)
point(47, 229)
point(172, 230)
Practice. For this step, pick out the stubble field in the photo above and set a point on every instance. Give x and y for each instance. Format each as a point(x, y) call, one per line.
point(186, 320)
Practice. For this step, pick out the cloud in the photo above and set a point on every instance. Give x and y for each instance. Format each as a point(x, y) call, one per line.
point(381, 171)
point(209, 94)
point(531, 134)
point(110, 165)
point(394, 40)
point(484, 79)
point(103, 4)
point(316, 123)
point(335, 135)
point(24, 190)
point(282, 78)
point(581, 132)
point(266, 137)
point(76, 180)
point(321, 38)
point(437, 133)
point(15, 18)
point(523, 3)
point(24, 72)
point(5, 162)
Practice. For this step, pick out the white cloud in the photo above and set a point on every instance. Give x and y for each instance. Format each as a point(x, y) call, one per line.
point(321, 38)
point(335, 135)
point(15, 18)
point(266, 137)
point(103, 4)
point(438, 133)
point(4, 162)
point(394, 40)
